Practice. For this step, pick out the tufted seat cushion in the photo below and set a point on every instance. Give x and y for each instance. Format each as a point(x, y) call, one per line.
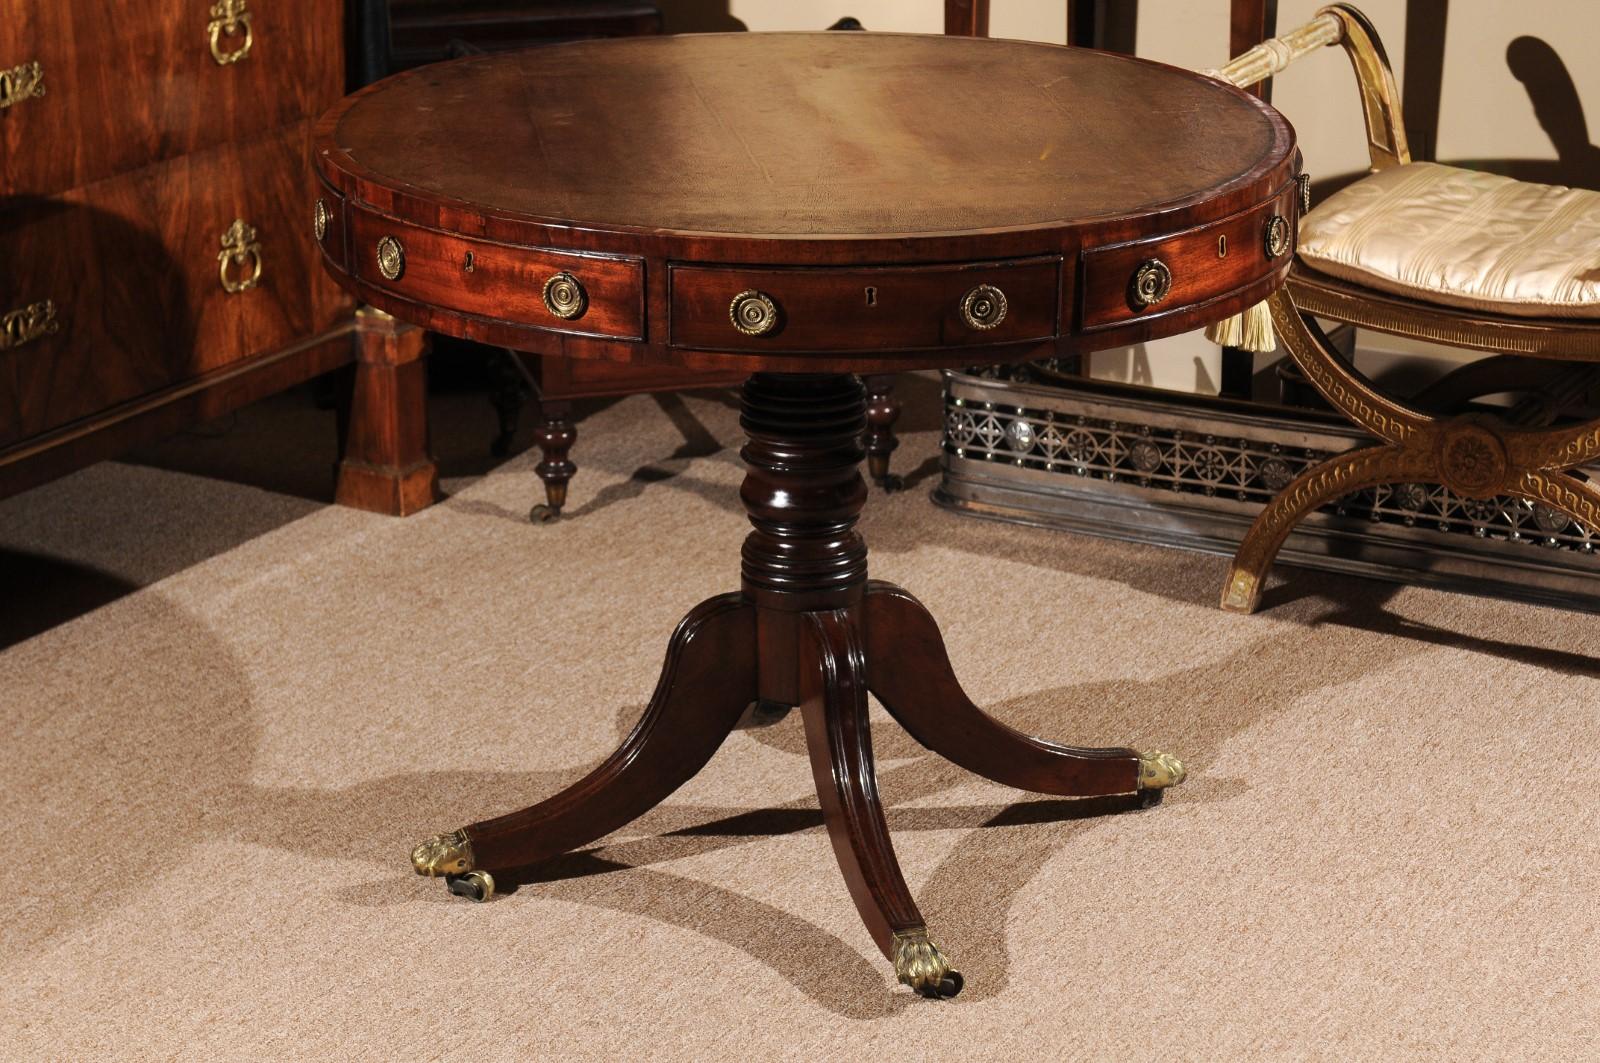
point(1456, 237)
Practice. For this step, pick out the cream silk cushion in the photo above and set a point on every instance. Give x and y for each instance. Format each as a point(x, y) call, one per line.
point(1456, 237)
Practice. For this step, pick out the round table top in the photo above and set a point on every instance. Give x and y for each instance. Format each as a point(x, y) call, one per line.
point(809, 134)
point(839, 201)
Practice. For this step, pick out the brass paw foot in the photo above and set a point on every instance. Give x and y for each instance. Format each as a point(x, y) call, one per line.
point(443, 854)
point(919, 964)
point(1157, 771)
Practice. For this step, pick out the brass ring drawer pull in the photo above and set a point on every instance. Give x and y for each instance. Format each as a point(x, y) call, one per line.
point(753, 313)
point(391, 258)
point(984, 307)
point(21, 83)
point(1151, 282)
point(239, 251)
point(228, 19)
point(28, 323)
point(1276, 237)
point(564, 296)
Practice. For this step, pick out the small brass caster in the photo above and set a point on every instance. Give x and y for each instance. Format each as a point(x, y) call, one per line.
point(443, 854)
point(919, 964)
point(543, 514)
point(474, 885)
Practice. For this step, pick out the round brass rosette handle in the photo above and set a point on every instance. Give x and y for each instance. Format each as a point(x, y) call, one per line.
point(984, 307)
point(1277, 235)
point(1151, 282)
point(319, 218)
point(753, 313)
point(391, 258)
point(564, 296)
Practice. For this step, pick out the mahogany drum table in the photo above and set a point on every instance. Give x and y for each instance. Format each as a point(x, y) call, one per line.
point(804, 208)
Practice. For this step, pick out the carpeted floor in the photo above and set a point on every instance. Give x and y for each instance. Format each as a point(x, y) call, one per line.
point(229, 712)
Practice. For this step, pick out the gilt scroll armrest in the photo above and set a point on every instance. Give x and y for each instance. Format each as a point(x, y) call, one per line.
point(1344, 25)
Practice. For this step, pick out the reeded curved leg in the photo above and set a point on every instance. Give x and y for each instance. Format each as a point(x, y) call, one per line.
point(909, 671)
point(833, 689)
point(708, 680)
point(1317, 486)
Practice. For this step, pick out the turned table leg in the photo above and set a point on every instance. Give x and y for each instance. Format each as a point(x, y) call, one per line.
point(385, 465)
point(883, 410)
point(555, 434)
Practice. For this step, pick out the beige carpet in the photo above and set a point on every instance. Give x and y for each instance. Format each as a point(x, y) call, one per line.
point(1388, 846)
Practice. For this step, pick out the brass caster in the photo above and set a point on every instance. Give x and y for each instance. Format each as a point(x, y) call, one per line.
point(919, 964)
point(1157, 771)
point(443, 854)
point(474, 885)
point(543, 514)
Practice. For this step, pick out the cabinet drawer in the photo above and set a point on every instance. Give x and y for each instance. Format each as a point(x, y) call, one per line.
point(135, 82)
point(131, 267)
point(600, 295)
point(889, 309)
point(1199, 265)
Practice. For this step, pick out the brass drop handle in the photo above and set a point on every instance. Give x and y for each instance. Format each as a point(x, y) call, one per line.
point(229, 19)
point(1151, 283)
point(21, 83)
point(320, 215)
point(984, 307)
point(239, 261)
point(753, 313)
point(28, 323)
point(564, 296)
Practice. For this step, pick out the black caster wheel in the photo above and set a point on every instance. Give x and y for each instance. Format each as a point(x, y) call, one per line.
point(892, 483)
point(474, 885)
point(1150, 798)
point(948, 987)
point(543, 514)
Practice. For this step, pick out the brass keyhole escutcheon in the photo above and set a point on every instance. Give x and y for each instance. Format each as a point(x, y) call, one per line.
point(319, 218)
point(1276, 236)
point(564, 296)
point(239, 250)
point(753, 313)
point(1151, 282)
point(391, 258)
point(984, 307)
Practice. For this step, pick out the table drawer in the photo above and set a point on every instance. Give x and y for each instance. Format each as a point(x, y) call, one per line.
point(888, 309)
point(135, 82)
point(1185, 269)
point(131, 269)
point(561, 291)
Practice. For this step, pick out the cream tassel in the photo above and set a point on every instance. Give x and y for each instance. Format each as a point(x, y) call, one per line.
point(1249, 331)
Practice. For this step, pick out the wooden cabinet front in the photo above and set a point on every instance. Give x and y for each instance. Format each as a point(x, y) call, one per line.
point(142, 298)
point(96, 89)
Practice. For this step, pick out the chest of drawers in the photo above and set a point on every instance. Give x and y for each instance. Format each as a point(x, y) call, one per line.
point(156, 259)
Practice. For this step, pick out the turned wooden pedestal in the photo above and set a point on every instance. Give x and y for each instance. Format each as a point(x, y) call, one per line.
point(807, 630)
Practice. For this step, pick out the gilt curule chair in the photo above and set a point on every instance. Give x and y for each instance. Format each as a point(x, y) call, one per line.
point(1436, 253)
